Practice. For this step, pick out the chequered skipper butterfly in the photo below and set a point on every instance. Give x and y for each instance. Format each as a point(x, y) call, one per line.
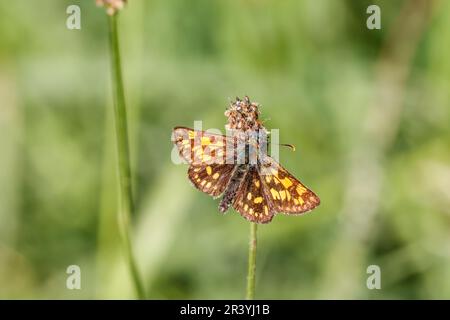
point(256, 188)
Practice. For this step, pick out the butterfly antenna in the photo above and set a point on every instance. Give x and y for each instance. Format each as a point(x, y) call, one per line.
point(291, 146)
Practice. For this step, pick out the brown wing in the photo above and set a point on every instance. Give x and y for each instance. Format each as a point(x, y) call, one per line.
point(251, 201)
point(286, 193)
point(211, 179)
point(202, 147)
point(206, 154)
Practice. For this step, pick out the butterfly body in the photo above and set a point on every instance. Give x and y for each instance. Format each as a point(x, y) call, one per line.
point(236, 167)
point(233, 186)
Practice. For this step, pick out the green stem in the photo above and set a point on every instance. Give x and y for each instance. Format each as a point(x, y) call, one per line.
point(126, 196)
point(251, 262)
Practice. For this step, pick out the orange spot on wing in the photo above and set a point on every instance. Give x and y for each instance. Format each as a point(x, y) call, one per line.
point(286, 182)
point(275, 193)
point(258, 200)
point(300, 190)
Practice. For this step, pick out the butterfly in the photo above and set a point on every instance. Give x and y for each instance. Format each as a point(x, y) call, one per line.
point(257, 189)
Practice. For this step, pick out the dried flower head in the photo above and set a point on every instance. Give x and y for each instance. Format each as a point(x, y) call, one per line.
point(243, 115)
point(112, 6)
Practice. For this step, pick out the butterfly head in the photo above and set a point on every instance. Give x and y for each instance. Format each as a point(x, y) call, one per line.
point(243, 115)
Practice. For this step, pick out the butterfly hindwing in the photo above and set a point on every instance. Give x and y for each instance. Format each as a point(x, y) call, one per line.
point(251, 201)
point(287, 194)
point(211, 178)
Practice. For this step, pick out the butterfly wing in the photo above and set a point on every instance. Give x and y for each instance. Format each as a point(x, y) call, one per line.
point(211, 179)
point(251, 201)
point(206, 153)
point(287, 194)
point(202, 147)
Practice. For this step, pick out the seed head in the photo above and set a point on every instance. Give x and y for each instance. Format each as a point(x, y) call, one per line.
point(243, 115)
point(112, 6)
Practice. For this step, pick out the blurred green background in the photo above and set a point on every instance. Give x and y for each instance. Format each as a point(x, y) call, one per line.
point(368, 111)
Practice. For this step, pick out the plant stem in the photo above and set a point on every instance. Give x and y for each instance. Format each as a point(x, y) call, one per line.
point(251, 262)
point(126, 196)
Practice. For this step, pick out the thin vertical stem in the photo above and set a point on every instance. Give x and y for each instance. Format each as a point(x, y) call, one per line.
point(126, 196)
point(251, 262)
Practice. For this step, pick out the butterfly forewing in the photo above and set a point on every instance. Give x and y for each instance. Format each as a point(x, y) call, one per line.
point(287, 194)
point(202, 147)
